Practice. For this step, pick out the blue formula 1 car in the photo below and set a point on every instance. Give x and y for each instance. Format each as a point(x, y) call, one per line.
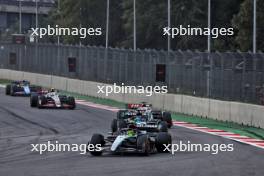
point(21, 88)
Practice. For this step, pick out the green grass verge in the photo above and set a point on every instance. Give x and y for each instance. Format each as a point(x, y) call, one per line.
point(4, 82)
point(227, 126)
point(210, 123)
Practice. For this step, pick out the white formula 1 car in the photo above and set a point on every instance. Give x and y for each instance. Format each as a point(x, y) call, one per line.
point(52, 100)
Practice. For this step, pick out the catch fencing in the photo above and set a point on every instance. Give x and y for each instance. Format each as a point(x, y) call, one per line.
point(233, 76)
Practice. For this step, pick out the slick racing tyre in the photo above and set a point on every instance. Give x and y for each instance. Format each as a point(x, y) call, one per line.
point(114, 125)
point(12, 90)
point(120, 114)
point(41, 101)
point(122, 124)
point(162, 126)
point(167, 118)
point(34, 100)
point(8, 89)
point(162, 139)
point(143, 144)
point(71, 102)
point(95, 140)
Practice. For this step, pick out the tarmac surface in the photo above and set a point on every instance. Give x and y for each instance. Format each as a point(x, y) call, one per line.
point(21, 126)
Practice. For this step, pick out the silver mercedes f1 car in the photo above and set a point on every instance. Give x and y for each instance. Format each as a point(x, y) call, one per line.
point(131, 140)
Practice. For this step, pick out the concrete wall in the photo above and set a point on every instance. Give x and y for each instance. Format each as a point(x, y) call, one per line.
point(221, 110)
point(25, 9)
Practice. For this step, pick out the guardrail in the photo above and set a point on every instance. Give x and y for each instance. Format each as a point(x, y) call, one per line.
point(242, 113)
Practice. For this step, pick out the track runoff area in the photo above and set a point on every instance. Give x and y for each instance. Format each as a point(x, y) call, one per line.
point(21, 126)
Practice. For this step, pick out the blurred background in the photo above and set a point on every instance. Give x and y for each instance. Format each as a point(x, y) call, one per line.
point(132, 49)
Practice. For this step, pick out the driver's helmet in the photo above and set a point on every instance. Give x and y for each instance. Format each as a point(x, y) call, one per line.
point(23, 83)
point(143, 110)
point(128, 113)
point(52, 90)
point(130, 132)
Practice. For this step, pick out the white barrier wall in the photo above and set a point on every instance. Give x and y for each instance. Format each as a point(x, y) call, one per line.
point(241, 113)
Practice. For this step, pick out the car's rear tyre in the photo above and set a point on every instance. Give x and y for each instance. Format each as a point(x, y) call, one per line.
point(114, 125)
point(120, 114)
point(167, 118)
point(122, 124)
point(95, 140)
point(34, 100)
point(71, 101)
point(12, 90)
point(143, 144)
point(8, 89)
point(162, 126)
point(162, 139)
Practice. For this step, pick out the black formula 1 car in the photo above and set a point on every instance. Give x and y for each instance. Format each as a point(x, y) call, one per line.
point(22, 88)
point(131, 140)
point(52, 100)
point(141, 122)
point(147, 109)
point(142, 117)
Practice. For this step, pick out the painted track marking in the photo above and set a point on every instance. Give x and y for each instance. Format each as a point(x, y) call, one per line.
point(225, 134)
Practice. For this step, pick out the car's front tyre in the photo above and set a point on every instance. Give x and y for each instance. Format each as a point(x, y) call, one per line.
point(162, 139)
point(34, 100)
point(41, 101)
point(8, 89)
point(167, 118)
point(95, 140)
point(71, 102)
point(143, 144)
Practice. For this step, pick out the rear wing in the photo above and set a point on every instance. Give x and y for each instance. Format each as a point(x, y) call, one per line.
point(137, 105)
point(24, 82)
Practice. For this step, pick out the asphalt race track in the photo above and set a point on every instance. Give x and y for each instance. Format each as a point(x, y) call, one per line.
point(21, 126)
